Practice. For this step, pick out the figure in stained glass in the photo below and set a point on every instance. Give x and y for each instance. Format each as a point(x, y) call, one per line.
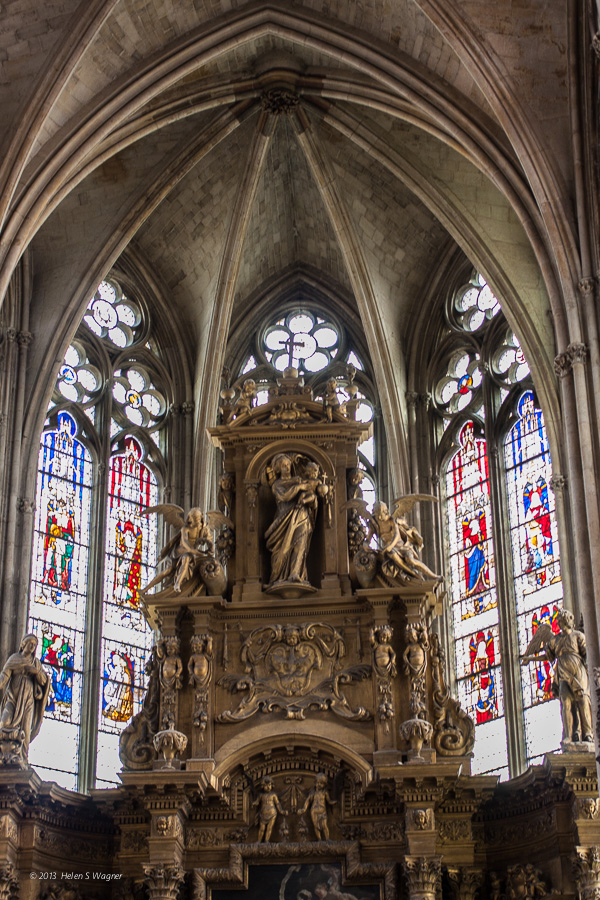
point(528, 435)
point(117, 693)
point(471, 505)
point(544, 669)
point(62, 477)
point(59, 543)
point(477, 571)
point(128, 560)
point(482, 658)
point(538, 535)
point(57, 653)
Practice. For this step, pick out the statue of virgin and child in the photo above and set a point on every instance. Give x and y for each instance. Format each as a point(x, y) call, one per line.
point(289, 535)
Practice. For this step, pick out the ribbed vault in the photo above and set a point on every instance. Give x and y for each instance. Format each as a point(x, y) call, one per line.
point(150, 126)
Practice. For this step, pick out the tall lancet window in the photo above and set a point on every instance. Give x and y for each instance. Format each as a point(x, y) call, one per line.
point(536, 565)
point(101, 464)
point(502, 546)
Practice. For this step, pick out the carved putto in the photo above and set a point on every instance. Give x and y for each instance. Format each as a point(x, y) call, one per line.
point(397, 560)
point(269, 808)
point(293, 668)
point(190, 554)
point(317, 801)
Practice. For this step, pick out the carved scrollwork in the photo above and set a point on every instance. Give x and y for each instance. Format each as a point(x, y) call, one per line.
point(293, 668)
point(453, 730)
point(136, 747)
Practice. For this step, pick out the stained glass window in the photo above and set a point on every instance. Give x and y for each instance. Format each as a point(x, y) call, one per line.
point(58, 589)
point(481, 384)
point(129, 563)
point(89, 507)
point(474, 600)
point(536, 565)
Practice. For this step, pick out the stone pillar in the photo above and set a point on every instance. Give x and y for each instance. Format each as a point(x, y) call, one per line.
point(423, 876)
point(163, 882)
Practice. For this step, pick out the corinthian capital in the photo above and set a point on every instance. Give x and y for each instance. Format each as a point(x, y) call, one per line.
point(163, 882)
point(423, 876)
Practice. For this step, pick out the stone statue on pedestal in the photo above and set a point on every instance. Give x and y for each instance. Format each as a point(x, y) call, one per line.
point(25, 687)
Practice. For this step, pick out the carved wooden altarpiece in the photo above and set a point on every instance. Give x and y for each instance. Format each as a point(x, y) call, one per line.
point(298, 714)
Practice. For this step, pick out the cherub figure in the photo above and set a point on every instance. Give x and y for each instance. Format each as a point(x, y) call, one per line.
point(200, 662)
point(570, 683)
point(172, 668)
point(317, 801)
point(414, 657)
point(331, 401)
point(268, 808)
point(399, 542)
point(415, 665)
point(245, 401)
point(384, 657)
point(192, 543)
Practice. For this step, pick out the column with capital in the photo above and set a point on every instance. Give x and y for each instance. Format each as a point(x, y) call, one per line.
point(423, 876)
point(163, 882)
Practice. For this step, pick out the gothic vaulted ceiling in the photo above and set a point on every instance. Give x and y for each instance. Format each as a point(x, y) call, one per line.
point(230, 147)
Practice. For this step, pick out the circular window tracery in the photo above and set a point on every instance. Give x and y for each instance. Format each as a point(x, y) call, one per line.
point(475, 304)
point(303, 340)
point(509, 362)
point(137, 396)
point(456, 391)
point(113, 315)
point(78, 379)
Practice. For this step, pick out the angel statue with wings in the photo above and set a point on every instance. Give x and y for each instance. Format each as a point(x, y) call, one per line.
point(399, 543)
point(191, 545)
point(570, 682)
